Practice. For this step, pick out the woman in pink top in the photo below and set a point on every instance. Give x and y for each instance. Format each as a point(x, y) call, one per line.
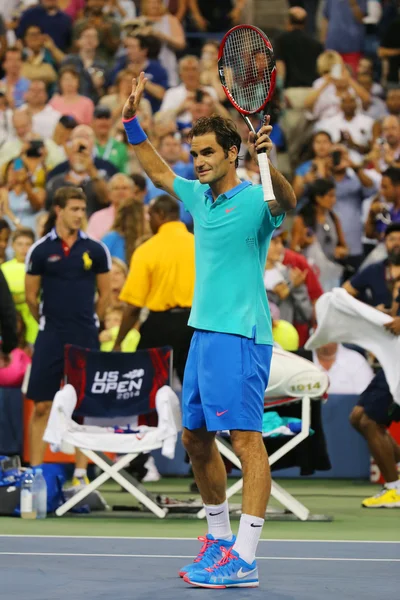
point(69, 101)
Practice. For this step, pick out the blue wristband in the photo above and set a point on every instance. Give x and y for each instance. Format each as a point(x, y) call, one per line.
point(135, 133)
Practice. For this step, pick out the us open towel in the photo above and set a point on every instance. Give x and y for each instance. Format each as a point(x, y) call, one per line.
point(61, 429)
point(342, 318)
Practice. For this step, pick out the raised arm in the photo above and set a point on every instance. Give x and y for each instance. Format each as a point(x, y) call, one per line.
point(284, 194)
point(155, 167)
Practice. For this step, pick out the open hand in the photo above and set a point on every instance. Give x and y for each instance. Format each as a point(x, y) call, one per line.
point(132, 104)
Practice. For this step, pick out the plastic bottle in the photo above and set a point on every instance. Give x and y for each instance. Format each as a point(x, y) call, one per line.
point(39, 494)
point(28, 510)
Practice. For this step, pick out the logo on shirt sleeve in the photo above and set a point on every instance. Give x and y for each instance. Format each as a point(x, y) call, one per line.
point(87, 261)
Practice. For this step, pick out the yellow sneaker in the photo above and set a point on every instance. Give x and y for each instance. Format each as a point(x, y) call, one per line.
point(80, 481)
point(387, 498)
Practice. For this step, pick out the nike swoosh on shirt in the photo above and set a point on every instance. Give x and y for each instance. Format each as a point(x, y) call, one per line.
point(219, 414)
point(241, 574)
point(228, 210)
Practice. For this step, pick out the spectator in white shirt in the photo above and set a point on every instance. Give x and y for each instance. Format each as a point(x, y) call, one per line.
point(349, 372)
point(350, 127)
point(180, 97)
point(324, 101)
point(44, 116)
point(22, 122)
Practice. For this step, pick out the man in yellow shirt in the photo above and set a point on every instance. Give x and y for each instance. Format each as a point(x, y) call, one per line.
point(14, 272)
point(161, 278)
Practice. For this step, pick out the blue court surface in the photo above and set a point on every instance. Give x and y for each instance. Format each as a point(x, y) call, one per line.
point(96, 568)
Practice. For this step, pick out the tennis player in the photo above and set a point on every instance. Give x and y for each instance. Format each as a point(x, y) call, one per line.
point(229, 361)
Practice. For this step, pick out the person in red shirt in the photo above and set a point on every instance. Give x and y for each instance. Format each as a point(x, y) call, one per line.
point(298, 261)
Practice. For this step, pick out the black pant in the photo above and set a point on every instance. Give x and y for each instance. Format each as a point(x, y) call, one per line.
point(168, 328)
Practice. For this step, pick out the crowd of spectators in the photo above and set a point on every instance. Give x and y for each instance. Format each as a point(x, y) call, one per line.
point(66, 71)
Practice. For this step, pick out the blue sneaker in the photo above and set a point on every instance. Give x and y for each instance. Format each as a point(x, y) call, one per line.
point(210, 553)
point(230, 571)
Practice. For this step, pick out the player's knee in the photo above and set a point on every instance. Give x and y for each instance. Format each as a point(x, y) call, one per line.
point(42, 410)
point(196, 443)
point(246, 443)
point(356, 417)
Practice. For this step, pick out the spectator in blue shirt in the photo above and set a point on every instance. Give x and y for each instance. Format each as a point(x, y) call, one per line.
point(138, 50)
point(317, 167)
point(345, 31)
point(376, 284)
point(353, 186)
point(13, 85)
point(51, 20)
point(385, 208)
point(127, 231)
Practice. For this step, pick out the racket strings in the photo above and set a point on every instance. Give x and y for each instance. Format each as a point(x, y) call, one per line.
point(248, 65)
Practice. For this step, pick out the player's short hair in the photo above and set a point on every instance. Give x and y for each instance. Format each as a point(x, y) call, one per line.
point(66, 193)
point(23, 232)
point(167, 205)
point(393, 173)
point(225, 130)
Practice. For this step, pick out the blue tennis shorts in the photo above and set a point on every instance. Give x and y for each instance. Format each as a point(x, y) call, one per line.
point(224, 384)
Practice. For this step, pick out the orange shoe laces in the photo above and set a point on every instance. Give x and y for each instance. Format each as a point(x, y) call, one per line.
point(226, 557)
point(206, 544)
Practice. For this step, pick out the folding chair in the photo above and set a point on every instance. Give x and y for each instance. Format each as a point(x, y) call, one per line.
point(292, 379)
point(112, 391)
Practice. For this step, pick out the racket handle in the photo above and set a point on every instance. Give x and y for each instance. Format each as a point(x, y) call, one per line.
point(265, 174)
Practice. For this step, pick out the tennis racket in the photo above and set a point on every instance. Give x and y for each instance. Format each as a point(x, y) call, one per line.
point(247, 71)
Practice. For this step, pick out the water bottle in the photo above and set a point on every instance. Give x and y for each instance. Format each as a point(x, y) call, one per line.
point(39, 494)
point(28, 510)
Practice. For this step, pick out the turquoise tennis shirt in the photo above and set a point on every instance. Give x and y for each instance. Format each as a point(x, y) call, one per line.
point(232, 235)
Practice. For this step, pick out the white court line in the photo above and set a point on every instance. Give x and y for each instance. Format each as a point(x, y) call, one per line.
point(70, 554)
point(183, 539)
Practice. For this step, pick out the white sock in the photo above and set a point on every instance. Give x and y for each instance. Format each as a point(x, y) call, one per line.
point(79, 473)
point(393, 485)
point(250, 529)
point(218, 521)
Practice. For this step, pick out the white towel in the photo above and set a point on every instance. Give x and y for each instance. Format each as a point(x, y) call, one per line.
point(341, 318)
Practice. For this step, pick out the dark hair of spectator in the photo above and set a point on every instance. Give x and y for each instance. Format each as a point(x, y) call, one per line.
point(4, 225)
point(392, 228)
point(68, 69)
point(61, 198)
point(129, 222)
point(309, 212)
point(167, 205)
point(393, 173)
point(225, 131)
point(139, 181)
point(149, 43)
point(317, 133)
point(23, 232)
point(31, 27)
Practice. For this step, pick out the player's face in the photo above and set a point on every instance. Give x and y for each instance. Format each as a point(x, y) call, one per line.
point(209, 158)
point(73, 215)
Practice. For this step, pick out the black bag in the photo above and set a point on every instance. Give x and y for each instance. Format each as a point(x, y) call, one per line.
point(9, 500)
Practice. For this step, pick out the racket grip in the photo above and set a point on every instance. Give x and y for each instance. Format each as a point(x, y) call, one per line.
point(265, 174)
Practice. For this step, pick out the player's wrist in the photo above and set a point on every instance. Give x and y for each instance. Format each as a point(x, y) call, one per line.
point(134, 131)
